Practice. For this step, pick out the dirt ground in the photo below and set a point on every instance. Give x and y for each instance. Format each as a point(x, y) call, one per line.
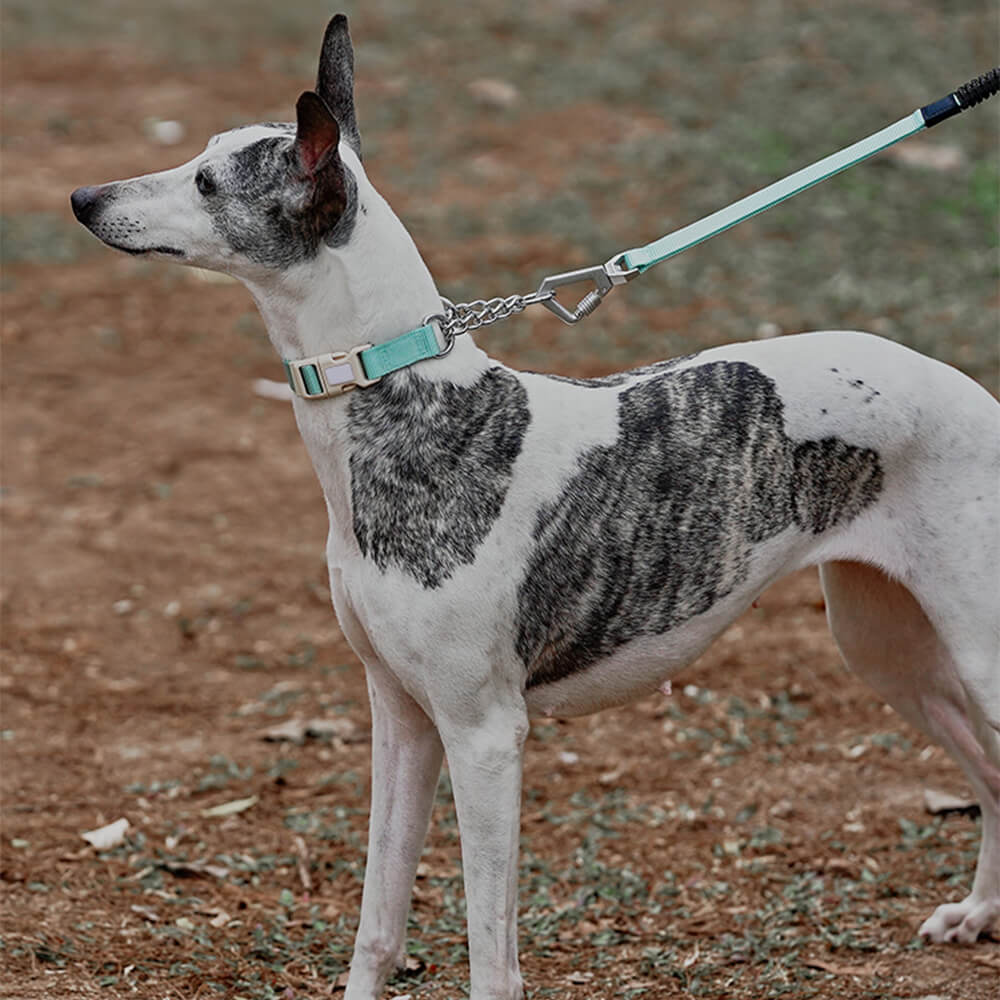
point(761, 832)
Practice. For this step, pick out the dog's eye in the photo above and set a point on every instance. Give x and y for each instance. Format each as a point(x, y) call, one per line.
point(204, 182)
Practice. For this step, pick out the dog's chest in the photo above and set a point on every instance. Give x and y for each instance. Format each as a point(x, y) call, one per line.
point(430, 466)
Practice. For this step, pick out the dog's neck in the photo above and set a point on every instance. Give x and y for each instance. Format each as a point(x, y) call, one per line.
point(369, 291)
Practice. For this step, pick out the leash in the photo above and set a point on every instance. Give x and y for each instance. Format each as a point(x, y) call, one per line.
point(331, 374)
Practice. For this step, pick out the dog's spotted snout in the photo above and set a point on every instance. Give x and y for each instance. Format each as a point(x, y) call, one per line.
point(85, 201)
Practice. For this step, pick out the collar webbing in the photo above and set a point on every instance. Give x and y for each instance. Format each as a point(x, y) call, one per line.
point(326, 375)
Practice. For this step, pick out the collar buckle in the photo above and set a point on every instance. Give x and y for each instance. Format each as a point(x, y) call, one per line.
point(325, 375)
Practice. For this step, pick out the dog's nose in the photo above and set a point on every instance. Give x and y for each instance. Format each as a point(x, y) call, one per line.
point(84, 201)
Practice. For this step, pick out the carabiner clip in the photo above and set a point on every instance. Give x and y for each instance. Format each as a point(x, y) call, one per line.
point(604, 277)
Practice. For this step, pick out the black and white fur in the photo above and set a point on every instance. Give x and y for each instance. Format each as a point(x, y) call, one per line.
point(505, 544)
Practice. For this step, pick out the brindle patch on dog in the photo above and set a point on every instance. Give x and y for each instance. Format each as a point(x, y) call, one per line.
point(657, 527)
point(431, 463)
point(259, 205)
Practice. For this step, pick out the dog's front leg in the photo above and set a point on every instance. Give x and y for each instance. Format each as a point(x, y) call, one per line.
point(406, 762)
point(485, 763)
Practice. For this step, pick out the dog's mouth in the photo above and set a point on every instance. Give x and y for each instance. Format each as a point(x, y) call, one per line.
point(139, 251)
point(88, 204)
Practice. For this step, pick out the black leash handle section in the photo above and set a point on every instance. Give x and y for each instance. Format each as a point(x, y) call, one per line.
point(967, 96)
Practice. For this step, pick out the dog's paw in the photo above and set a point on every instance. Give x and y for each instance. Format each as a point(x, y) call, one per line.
point(960, 923)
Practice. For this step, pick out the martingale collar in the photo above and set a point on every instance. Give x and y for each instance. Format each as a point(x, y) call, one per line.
point(325, 375)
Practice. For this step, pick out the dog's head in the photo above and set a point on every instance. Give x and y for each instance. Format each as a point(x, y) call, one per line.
point(259, 198)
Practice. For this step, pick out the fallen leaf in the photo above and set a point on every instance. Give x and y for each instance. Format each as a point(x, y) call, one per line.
point(84, 852)
point(106, 837)
point(290, 731)
point(193, 869)
point(230, 808)
point(146, 913)
point(939, 803)
point(612, 777)
point(342, 729)
point(302, 864)
point(692, 958)
point(298, 730)
point(219, 917)
point(839, 866)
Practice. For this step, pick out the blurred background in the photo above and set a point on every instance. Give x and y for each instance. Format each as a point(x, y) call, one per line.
point(164, 593)
point(517, 140)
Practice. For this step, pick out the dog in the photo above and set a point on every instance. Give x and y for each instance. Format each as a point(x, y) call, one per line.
point(506, 545)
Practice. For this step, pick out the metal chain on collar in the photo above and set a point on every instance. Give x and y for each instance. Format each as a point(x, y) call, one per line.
point(462, 317)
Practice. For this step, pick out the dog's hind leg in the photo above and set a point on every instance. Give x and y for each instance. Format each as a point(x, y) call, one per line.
point(406, 763)
point(886, 638)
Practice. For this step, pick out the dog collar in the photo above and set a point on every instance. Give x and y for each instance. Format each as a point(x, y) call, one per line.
point(325, 375)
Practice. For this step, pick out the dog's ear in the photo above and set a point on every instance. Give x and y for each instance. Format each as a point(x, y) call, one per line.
point(335, 82)
point(316, 139)
point(317, 134)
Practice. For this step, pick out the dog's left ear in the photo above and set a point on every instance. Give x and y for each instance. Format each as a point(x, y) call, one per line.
point(335, 82)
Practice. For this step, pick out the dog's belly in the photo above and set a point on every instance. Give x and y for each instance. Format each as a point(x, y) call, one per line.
point(640, 666)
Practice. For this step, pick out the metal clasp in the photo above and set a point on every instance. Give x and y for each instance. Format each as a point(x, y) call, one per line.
point(604, 276)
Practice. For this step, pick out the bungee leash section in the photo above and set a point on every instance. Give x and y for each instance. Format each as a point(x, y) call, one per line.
point(332, 374)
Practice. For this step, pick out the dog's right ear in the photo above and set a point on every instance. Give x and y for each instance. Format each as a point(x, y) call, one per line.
point(335, 82)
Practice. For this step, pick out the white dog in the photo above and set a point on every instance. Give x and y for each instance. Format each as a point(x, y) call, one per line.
point(506, 544)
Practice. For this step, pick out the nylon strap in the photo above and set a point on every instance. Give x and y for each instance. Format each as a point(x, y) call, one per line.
point(645, 257)
point(406, 349)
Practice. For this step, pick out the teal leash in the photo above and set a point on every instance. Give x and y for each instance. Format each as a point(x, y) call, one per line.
point(331, 374)
point(968, 95)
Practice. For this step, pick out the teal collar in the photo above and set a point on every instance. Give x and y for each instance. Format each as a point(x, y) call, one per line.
point(326, 375)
